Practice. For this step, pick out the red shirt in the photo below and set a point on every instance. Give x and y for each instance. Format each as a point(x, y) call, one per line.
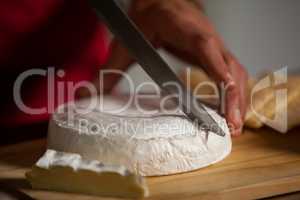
point(65, 34)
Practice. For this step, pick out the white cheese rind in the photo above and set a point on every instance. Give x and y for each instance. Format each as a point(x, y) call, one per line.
point(66, 172)
point(147, 152)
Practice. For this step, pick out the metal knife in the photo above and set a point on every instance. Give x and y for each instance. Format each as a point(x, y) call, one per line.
point(141, 49)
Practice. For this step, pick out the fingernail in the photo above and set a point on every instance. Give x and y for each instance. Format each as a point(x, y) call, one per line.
point(235, 134)
point(230, 80)
point(230, 84)
point(229, 77)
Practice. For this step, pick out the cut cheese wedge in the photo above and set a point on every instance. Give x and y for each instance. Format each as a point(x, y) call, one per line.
point(66, 172)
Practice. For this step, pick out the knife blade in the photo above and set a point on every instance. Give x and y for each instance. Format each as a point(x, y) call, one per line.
point(152, 63)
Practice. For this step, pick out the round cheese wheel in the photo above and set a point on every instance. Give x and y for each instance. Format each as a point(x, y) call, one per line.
point(141, 136)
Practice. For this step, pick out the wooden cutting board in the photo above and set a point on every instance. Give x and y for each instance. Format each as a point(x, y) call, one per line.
point(262, 164)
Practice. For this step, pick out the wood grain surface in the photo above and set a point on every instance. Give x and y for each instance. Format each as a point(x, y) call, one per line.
point(262, 164)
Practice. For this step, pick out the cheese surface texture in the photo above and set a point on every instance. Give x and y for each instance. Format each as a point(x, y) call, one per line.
point(65, 172)
point(116, 132)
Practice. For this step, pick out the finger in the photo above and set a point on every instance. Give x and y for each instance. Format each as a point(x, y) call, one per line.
point(214, 63)
point(233, 112)
point(243, 94)
point(240, 76)
point(211, 59)
point(231, 97)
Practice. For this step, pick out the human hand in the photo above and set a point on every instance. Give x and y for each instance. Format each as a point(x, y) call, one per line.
point(181, 27)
